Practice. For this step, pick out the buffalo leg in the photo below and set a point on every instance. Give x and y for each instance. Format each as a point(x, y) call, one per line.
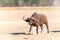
point(47, 28)
point(30, 28)
point(37, 29)
point(41, 26)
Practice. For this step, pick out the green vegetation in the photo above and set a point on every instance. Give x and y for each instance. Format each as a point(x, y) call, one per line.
point(9, 2)
point(14, 3)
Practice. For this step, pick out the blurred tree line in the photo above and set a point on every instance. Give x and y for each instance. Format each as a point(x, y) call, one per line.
point(14, 3)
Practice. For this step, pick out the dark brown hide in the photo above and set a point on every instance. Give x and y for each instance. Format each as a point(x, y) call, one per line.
point(37, 20)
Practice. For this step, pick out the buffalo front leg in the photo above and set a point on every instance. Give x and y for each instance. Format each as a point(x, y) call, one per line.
point(30, 28)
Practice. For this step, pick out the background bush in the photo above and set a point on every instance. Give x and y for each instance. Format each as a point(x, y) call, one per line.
point(14, 3)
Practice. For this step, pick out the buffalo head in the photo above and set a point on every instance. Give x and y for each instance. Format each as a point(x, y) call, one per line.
point(27, 20)
point(30, 20)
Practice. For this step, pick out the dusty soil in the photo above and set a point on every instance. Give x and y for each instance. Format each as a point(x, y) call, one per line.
point(12, 26)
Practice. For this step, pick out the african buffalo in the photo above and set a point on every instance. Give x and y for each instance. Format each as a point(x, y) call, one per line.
point(37, 20)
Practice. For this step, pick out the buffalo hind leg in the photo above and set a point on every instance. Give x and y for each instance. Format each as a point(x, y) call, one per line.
point(47, 28)
point(37, 29)
point(41, 26)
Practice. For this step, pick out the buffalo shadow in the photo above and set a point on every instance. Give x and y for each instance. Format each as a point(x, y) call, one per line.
point(55, 31)
point(18, 33)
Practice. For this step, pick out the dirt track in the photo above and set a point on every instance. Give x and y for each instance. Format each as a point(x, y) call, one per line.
point(11, 22)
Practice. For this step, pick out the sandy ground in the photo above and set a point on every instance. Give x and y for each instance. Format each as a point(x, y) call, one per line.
point(12, 26)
